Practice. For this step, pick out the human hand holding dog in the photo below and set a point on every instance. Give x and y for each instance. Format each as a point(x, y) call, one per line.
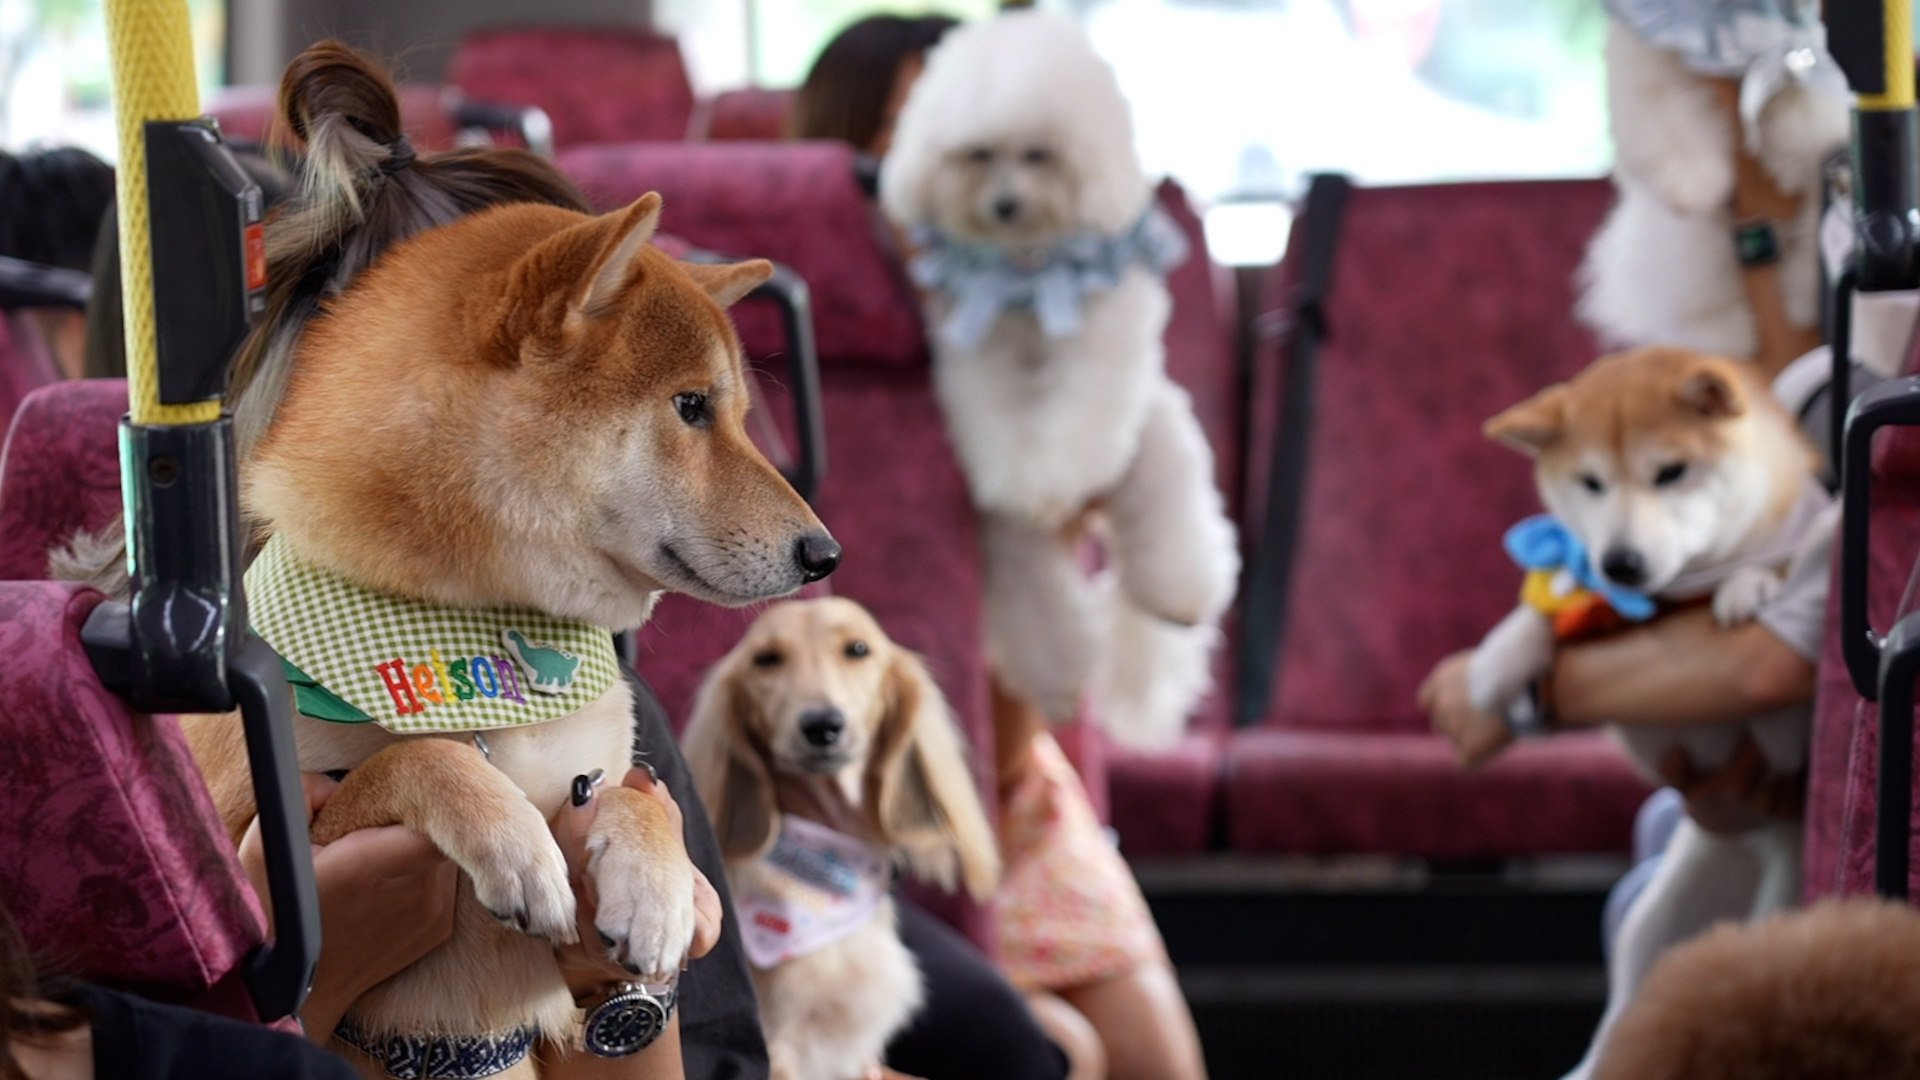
point(586, 964)
point(1739, 796)
point(386, 900)
point(1476, 735)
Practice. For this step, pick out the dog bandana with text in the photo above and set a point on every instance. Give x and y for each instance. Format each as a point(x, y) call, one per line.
point(356, 656)
point(812, 889)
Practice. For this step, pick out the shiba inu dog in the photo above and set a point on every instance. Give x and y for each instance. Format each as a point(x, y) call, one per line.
point(1671, 477)
point(501, 439)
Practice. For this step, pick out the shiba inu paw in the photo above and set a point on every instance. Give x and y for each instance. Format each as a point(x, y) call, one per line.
point(1741, 596)
point(1513, 654)
point(520, 877)
point(645, 914)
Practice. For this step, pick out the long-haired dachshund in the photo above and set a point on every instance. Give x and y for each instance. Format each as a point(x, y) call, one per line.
point(826, 757)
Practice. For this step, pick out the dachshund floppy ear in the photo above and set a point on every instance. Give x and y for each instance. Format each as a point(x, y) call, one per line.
point(922, 796)
point(729, 767)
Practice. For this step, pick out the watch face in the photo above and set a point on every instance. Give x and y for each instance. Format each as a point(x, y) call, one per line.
point(624, 1024)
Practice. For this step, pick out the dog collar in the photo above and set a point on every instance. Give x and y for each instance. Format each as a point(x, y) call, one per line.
point(440, 1057)
point(813, 888)
point(358, 656)
point(985, 282)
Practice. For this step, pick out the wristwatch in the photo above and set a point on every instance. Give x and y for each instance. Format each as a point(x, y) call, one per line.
point(631, 1018)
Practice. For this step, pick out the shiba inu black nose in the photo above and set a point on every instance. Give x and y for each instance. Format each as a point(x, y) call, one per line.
point(1006, 207)
point(1624, 566)
point(817, 554)
point(822, 727)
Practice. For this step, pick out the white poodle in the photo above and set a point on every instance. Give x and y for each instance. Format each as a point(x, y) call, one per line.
point(1663, 269)
point(1013, 169)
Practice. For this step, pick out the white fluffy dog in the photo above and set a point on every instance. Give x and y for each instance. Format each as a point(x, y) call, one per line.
point(1013, 167)
point(1663, 269)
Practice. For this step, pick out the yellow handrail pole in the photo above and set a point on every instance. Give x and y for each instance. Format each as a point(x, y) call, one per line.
point(153, 79)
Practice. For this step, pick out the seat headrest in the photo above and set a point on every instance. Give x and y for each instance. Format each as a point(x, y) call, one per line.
point(60, 471)
point(797, 203)
point(596, 83)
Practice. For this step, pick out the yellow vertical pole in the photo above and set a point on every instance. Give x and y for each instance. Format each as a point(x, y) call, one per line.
point(153, 79)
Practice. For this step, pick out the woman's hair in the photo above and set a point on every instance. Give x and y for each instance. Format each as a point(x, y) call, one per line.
point(845, 93)
point(26, 1013)
point(51, 202)
point(361, 190)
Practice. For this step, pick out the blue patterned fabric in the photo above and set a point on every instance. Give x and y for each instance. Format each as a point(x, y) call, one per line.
point(441, 1057)
point(985, 282)
point(1543, 542)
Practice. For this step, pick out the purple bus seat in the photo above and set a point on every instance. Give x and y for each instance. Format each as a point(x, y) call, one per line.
point(117, 867)
point(1449, 303)
point(60, 471)
point(25, 363)
point(597, 84)
point(752, 112)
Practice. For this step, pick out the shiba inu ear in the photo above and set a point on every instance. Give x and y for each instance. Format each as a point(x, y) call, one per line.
point(726, 283)
point(1534, 424)
point(1712, 391)
point(613, 267)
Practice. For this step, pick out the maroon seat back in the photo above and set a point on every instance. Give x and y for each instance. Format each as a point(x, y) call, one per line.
point(754, 113)
point(117, 868)
point(598, 84)
point(247, 113)
point(60, 471)
point(1449, 303)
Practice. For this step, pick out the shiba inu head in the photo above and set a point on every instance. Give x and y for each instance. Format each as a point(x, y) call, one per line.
point(1661, 460)
point(499, 402)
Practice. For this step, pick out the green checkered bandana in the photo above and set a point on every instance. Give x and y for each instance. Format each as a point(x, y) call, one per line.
point(357, 656)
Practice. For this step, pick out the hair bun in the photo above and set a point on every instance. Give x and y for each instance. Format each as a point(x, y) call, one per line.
point(331, 81)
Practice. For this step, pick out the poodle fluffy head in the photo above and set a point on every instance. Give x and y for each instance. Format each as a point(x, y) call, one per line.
point(1015, 136)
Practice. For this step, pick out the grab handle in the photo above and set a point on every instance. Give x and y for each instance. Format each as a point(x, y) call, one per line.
point(1890, 404)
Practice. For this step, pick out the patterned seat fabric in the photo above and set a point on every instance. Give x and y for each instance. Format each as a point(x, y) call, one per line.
point(25, 364)
point(600, 84)
point(60, 472)
point(117, 868)
point(1449, 303)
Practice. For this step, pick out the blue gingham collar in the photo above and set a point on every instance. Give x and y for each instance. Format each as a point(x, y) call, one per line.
point(441, 1057)
point(985, 282)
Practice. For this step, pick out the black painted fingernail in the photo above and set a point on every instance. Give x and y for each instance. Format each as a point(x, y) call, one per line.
point(606, 939)
point(632, 969)
point(652, 773)
point(582, 790)
point(520, 917)
point(597, 777)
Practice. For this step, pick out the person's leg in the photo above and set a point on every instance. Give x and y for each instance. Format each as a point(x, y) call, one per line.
point(1144, 1024)
point(975, 1024)
point(1070, 1030)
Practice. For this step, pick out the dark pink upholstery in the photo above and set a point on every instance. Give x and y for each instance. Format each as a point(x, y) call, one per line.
point(797, 203)
point(1166, 802)
point(247, 113)
point(1324, 792)
point(753, 113)
point(60, 472)
point(117, 868)
point(598, 84)
point(25, 363)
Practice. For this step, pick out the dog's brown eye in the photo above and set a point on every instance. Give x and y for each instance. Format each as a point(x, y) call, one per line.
point(1592, 483)
point(856, 649)
point(1670, 474)
point(1037, 155)
point(980, 155)
point(767, 658)
point(693, 409)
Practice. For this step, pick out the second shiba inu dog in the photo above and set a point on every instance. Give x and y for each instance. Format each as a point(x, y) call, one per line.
point(1671, 477)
